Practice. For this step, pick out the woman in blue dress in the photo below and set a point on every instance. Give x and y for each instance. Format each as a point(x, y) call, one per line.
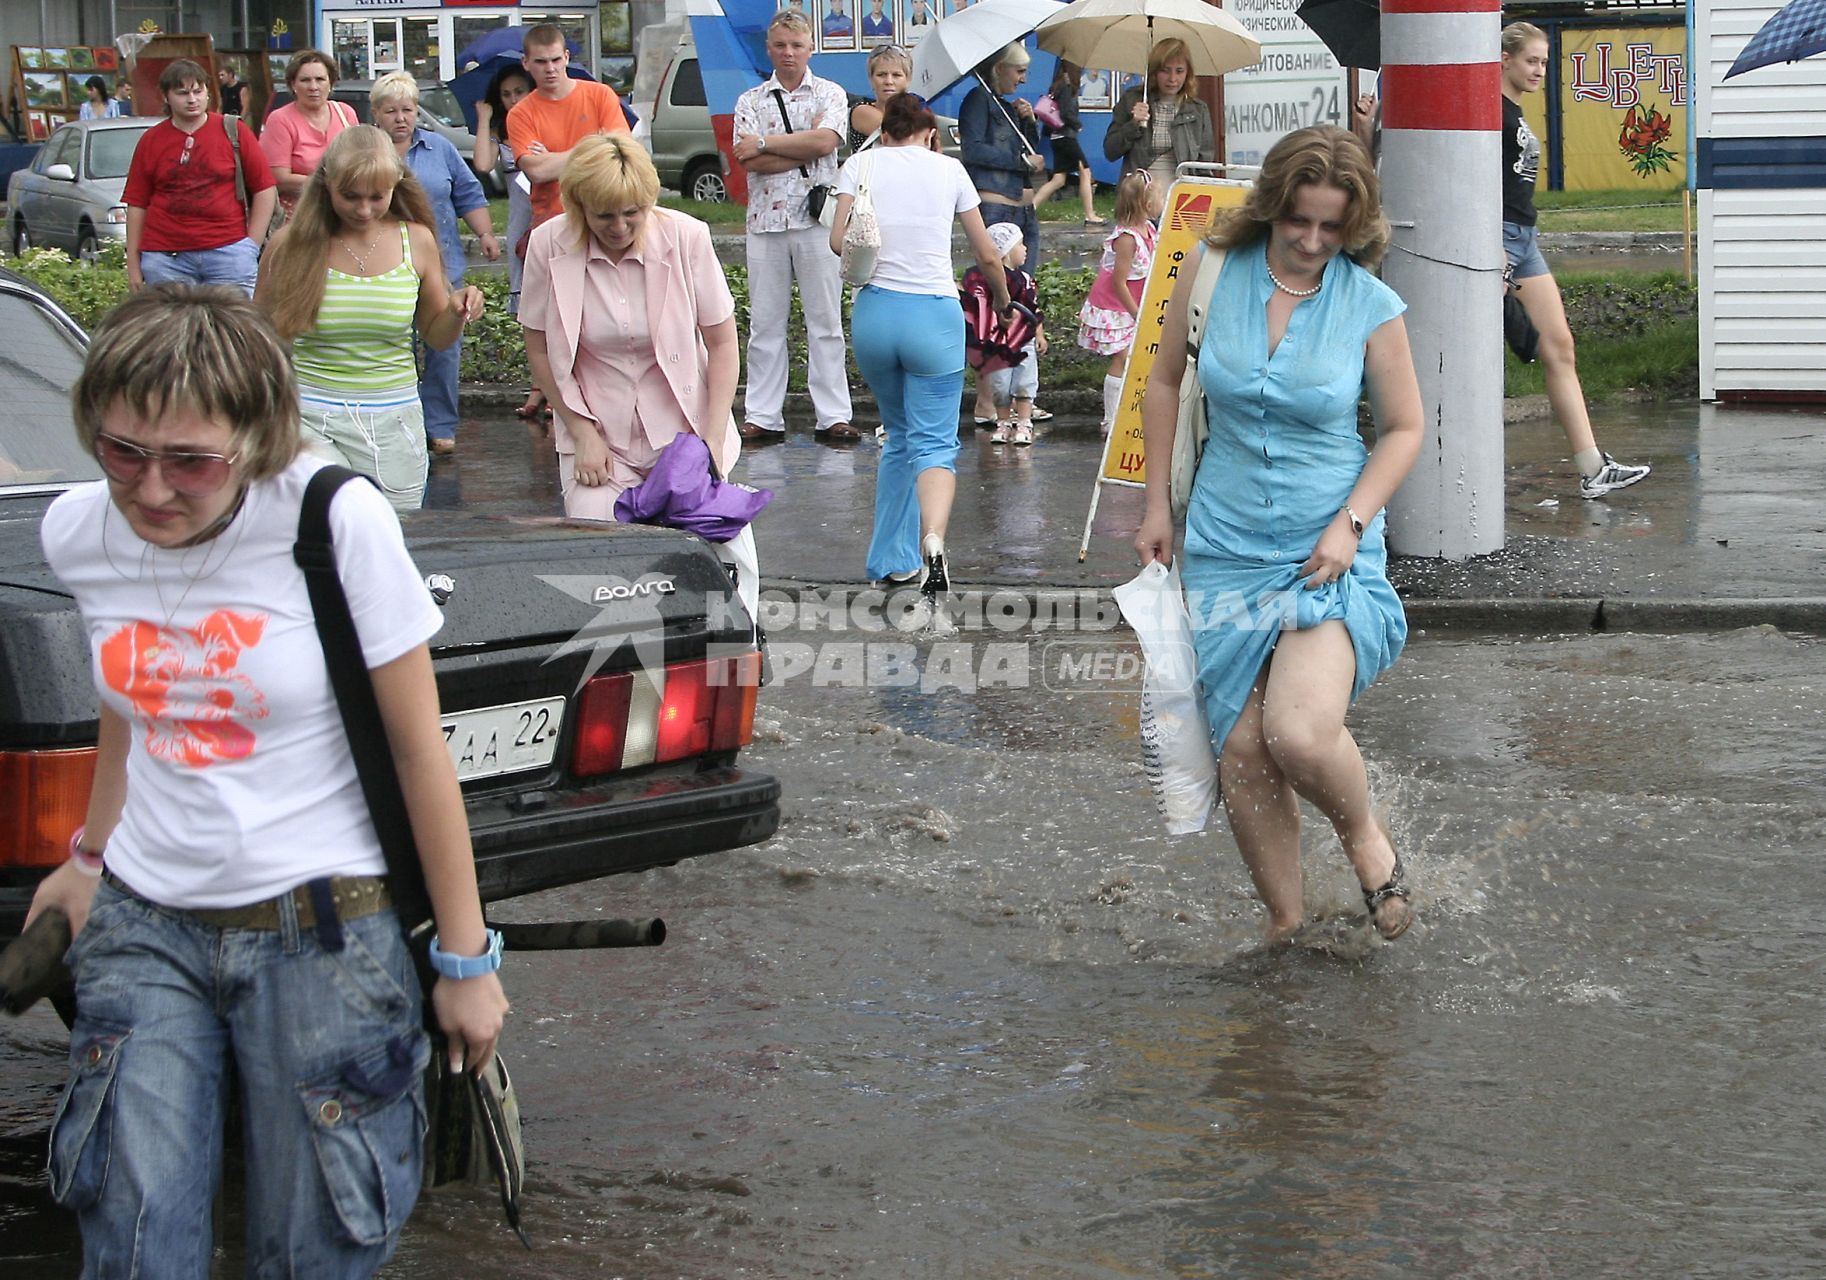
point(1284, 566)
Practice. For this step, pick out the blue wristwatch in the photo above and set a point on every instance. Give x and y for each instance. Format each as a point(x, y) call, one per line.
point(468, 966)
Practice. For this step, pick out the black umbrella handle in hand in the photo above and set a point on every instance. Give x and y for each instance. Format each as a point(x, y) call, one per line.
point(32, 965)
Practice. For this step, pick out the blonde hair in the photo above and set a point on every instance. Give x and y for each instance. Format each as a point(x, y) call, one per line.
point(891, 53)
point(1164, 52)
point(605, 171)
point(1015, 55)
point(1323, 155)
point(206, 350)
point(1519, 35)
point(791, 20)
point(401, 85)
point(1132, 197)
point(299, 255)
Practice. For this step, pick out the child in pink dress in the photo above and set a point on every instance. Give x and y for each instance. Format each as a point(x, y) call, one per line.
point(1106, 325)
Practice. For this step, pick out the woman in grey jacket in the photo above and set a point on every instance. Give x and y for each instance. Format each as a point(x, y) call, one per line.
point(1167, 128)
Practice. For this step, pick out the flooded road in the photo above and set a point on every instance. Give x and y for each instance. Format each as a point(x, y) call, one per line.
point(969, 1013)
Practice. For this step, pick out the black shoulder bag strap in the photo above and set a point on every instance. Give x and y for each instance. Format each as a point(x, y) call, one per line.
point(315, 553)
point(780, 101)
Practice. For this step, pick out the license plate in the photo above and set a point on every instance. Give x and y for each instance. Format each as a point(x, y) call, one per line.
point(508, 739)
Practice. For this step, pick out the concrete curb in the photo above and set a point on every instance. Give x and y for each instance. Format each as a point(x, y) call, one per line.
point(1526, 616)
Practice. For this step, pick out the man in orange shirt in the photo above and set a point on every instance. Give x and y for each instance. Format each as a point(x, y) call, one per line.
point(558, 114)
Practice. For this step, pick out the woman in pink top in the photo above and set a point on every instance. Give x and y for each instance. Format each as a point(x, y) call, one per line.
point(630, 326)
point(296, 135)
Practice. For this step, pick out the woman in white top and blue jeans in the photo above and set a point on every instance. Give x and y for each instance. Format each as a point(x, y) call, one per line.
point(907, 331)
point(240, 931)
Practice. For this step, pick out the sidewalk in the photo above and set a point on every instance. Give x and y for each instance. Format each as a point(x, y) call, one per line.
point(1729, 531)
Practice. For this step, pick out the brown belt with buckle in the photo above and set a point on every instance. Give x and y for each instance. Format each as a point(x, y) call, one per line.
point(353, 896)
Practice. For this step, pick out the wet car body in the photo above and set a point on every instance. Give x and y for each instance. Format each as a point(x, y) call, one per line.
point(597, 682)
point(69, 197)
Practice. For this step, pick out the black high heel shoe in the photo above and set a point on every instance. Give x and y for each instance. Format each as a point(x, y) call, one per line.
point(937, 579)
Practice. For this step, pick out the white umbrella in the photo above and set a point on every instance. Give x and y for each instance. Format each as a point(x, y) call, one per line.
point(1120, 34)
point(955, 44)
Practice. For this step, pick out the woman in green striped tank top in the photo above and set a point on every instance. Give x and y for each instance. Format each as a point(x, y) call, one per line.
point(347, 280)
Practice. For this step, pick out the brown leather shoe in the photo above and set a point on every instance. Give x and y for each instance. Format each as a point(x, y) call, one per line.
point(443, 448)
point(749, 431)
point(841, 433)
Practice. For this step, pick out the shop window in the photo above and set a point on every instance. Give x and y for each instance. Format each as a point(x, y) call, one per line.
point(422, 48)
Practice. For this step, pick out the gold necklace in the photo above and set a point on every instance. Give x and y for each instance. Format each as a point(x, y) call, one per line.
point(361, 260)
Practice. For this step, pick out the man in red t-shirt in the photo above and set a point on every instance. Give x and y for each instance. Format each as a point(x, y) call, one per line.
point(558, 114)
point(185, 222)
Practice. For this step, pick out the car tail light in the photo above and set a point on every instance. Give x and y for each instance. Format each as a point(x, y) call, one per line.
point(691, 709)
point(43, 797)
point(602, 725)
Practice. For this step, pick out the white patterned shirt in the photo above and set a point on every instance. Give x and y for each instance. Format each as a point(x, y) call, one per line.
point(776, 202)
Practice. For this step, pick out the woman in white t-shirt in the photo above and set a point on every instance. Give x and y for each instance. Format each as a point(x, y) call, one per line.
point(907, 331)
point(240, 916)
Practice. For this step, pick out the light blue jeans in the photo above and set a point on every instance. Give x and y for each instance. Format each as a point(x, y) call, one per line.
point(237, 264)
point(910, 349)
point(330, 1056)
point(437, 383)
point(1018, 382)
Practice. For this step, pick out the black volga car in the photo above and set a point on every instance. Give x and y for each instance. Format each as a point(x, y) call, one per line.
point(597, 683)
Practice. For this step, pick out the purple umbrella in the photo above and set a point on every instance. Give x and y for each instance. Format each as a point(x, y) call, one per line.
point(683, 492)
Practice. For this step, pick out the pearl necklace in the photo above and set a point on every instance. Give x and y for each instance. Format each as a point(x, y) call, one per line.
point(1293, 293)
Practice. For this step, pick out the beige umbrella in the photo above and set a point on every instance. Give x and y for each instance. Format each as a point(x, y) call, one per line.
point(1120, 34)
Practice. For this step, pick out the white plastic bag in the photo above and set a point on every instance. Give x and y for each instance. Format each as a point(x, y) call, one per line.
point(1175, 737)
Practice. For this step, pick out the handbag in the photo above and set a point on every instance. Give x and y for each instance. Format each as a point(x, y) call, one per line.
point(1048, 113)
point(1193, 427)
point(821, 200)
point(862, 237)
point(472, 1129)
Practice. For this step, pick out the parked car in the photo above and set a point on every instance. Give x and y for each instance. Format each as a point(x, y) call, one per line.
point(681, 137)
point(438, 111)
point(577, 760)
point(683, 140)
point(69, 198)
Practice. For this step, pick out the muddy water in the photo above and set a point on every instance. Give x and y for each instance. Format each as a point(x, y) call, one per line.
point(969, 1013)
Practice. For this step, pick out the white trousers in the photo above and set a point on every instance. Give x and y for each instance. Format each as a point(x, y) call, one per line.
point(775, 259)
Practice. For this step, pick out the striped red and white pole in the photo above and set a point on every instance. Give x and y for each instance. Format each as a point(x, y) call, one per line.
point(1441, 89)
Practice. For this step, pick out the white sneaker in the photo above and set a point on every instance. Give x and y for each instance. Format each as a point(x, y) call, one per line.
point(1612, 475)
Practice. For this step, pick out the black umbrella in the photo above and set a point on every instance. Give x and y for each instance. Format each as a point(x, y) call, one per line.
point(1351, 29)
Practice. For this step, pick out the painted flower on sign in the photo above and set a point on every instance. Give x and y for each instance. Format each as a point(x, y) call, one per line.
point(1642, 140)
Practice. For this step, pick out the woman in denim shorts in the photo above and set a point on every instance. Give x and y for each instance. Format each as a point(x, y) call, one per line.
point(225, 890)
point(1524, 66)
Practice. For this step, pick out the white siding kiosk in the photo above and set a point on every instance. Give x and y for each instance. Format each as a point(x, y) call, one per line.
point(1760, 170)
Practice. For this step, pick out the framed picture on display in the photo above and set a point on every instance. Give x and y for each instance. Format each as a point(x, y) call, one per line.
point(837, 27)
point(106, 58)
point(58, 58)
point(917, 19)
point(1126, 80)
point(31, 59)
point(44, 89)
point(878, 22)
point(1094, 91)
point(82, 58)
point(38, 125)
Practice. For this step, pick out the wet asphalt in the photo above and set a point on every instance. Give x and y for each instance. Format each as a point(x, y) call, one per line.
point(1728, 530)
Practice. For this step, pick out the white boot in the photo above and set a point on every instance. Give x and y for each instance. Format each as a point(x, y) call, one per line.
point(1112, 400)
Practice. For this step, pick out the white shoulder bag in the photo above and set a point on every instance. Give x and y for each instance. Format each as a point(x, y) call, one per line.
point(862, 237)
point(1189, 437)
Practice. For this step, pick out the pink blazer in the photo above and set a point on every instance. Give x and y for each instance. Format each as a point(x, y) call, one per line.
point(686, 288)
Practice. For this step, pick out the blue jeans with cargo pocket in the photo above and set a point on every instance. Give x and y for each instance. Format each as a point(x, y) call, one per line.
point(330, 1056)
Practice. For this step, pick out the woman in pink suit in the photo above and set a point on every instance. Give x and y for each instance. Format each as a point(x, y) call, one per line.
point(630, 327)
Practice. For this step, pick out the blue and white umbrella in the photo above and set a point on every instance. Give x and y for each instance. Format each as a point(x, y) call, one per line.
point(1798, 30)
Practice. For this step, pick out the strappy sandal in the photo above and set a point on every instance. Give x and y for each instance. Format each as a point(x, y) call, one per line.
point(1396, 890)
point(534, 405)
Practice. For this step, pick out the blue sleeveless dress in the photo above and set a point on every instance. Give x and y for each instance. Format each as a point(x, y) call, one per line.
point(1282, 456)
